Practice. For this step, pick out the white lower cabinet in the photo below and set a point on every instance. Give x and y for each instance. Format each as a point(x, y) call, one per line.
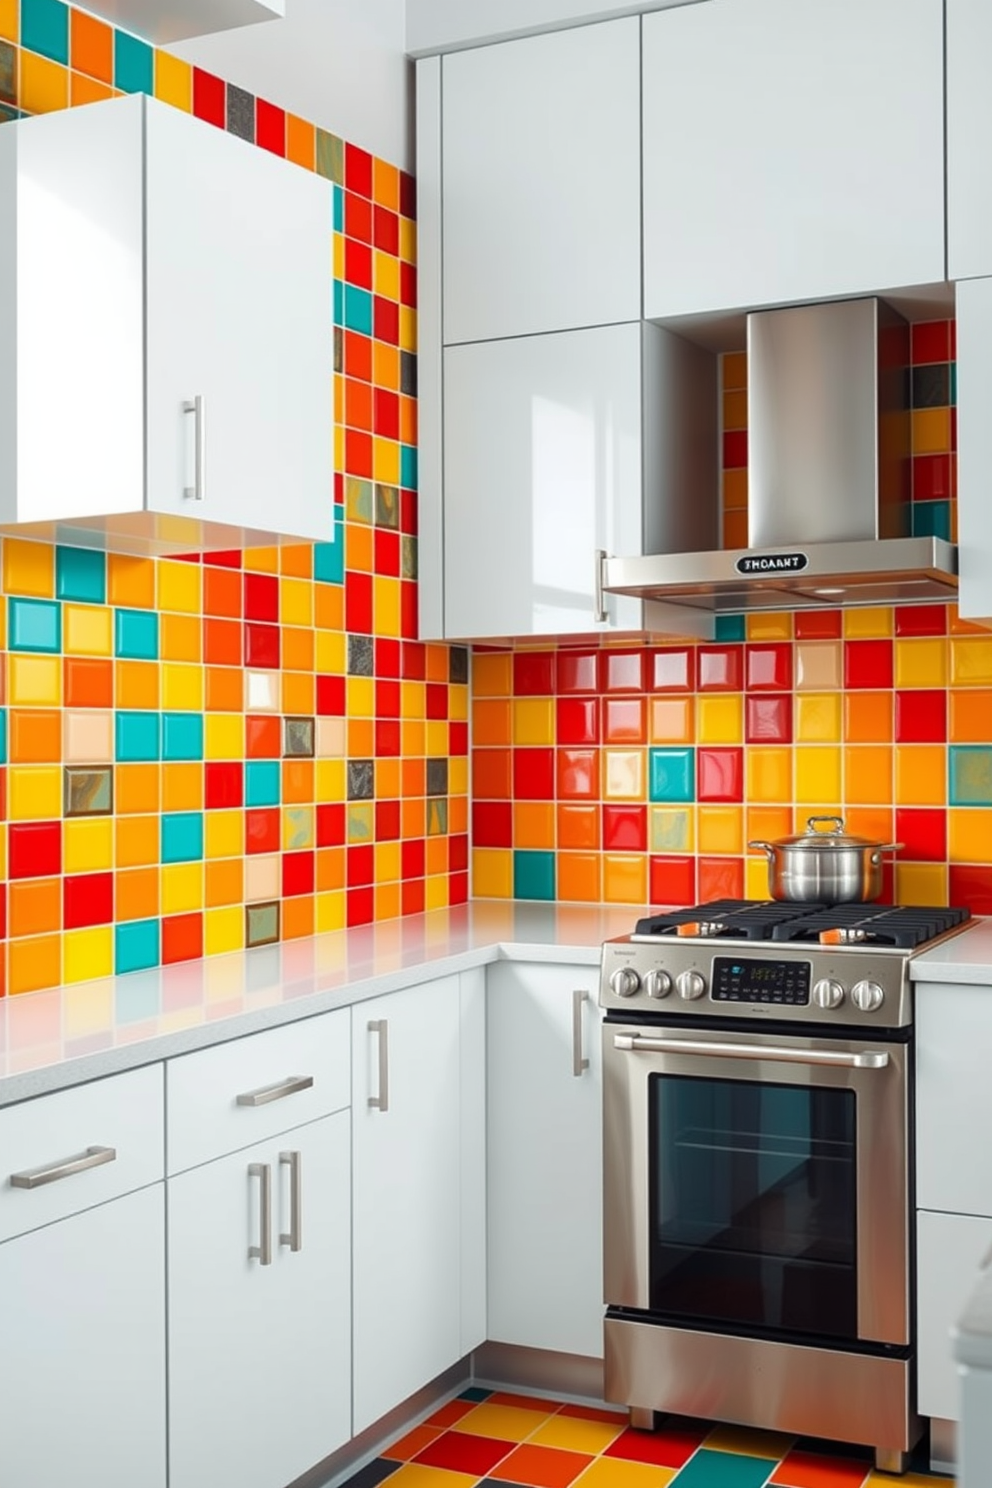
point(544, 1158)
point(950, 1251)
point(260, 1310)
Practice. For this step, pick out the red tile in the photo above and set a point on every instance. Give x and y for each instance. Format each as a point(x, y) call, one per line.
point(387, 821)
point(593, 1413)
point(297, 873)
point(412, 896)
point(769, 667)
point(182, 938)
point(357, 217)
point(358, 356)
point(768, 720)
point(387, 699)
point(387, 657)
point(358, 453)
point(208, 97)
point(818, 625)
point(262, 830)
point(408, 195)
point(222, 593)
point(385, 320)
point(921, 716)
point(412, 857)
point(621, 671)
point(360, 907)
point(34, 849)
point(263, 737)
point(437, 700)
point(358, 603)
point(357, 170)
point(720, 774)
point(224, 558)
point(408, 285)
point(671, 1446)
point(541, 1467)
point(625, 720)
point(223, 784)
point(971, 886)
point(578, 773)
point(261, 645)
point(361, 865)
point(270, 127)
point(386, 230)
point(457, 1451)
point(578, 671)
point(734, 449)
point(720, 878)
point(923, 834)
point(223, 642)
point(809, 1470)
point(331, 825)
point(721, 668)
point(358, 263)
point(86, 683)
point(672, 670)
point(931, 342)
point(388, 738)
point(330, 696)
point(409, 613)
point(492, 774)
point(534, 774)
point(533, 673)
point(932, 477)
point(408, 512)
point(868, 664)
point(261, 597)
point(921, 620)
point(458, 738)
point(492, 824)
point(625, 828)
point(387, 414)
point(672, 881)
point(87, 899)
point(577, 720)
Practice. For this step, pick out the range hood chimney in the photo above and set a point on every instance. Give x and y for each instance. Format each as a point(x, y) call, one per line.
point(829, 464)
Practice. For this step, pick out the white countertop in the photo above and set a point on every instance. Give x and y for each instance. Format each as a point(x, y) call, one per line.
point(964, 958)
point(53, 1039)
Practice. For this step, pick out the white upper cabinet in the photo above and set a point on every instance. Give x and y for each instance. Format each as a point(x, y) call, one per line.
point(974, 398)
point(181, 19)
point(541, 183)
point(170, 364)
point(793, 150)
point(969, 138)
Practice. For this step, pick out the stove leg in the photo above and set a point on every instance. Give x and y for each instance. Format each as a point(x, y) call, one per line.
point(641, 1419)
point(890, 1461)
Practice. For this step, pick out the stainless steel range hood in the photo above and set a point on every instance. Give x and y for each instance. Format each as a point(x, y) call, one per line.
point(829, 465)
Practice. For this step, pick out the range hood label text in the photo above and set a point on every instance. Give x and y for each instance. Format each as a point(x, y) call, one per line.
point(772, 563)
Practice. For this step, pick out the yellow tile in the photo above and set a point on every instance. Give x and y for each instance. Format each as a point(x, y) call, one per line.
point(44, 84)
point(331, 651)
point(437, 738)
point(34, 792)
point(416, 1475)
point(87, 630)
point(9, 11)
point(868, 624)
point(88, 953)
point(88, 846)
point(756, 877)
point(182, 887)
point(671, 720)
point(412, 737)
point(408, 328)
point(223, 737)
point(769, 627)
point(387, 862)
point(769, 773)
point(921, 883)
point(436, 897)
point(625, 878)
point(720, 718)
point(387, 593)
point(868, 774)
point(574, 1435)
point(295, 602)
point(623, 774)
point(921, 663)
point(179, 586)
point(910, 1480)
point(173, 81)
point(223, 930)
point(818, 718)
point(818, 774)
point(969, 833)
point(34, 680)
point(261, 560)
point(614, 1472)
point(331, 911)
point(360, 697)
point(28, 568)
point(749, 1443)
point(931, 431)
point(182, 686)
point(329, 780)
point(408, 240)
point(971, 661)
point(457, 703)
point(721, 829)
point(180, 638)
point(337, 249)
point(921, 776)
point(458, 775)
point(533, 720)
point(492, 873)
point(819, 666)
point(386, 275)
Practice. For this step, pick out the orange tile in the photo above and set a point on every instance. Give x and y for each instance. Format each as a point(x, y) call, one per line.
point(534, 824)
point(436, 855)
point(388, 779)
point(35, 736)
point(971, 661)
point(34, 964)
point(130, 581)
point(298, 692)
point(769, 773)
point(541, 1467)
point(457, 814)
point(386, 366)
point(137, 684)
point(735, 408)
point(733, 369)
point(868, 717)
point(735, 529)
point(35, 906)
point(181, 637)
point(88, 683)
point(437, 663)
point(921, 775)
point(578, 826)
point(625, 881)
point(970, 716)
point(224, 689)
point(385, 184)
point(137, 841)
point(578, 877)
point(83, 89)
point(868, 774)
point(297, 917)
point(136, 894)
point(297, 649)
point(931, 431)
point(874, 822)
point(492, 721)
point(361, 738)
point(328, 606)
point(810, 1470)
point(91, 45)
point(298, 780)
point(491, 774)
point(734, 490)
point(388, 901)
point(300, 142)
point(413, 817)
point(492, 674)
point(446, 1415)
point(413, 1442)
point(137, 788)
point(359, 548)
point(182, 787)
point(330, 869)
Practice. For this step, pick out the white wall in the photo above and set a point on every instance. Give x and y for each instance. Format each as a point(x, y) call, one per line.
point(446, 25)
point(337, 63)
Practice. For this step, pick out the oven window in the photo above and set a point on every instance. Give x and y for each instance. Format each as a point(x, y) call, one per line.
point(753, 1204)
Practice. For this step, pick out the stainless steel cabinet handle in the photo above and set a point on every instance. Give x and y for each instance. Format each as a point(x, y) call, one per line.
point(599, 611)
point(381, 1027)
point(295, 1237)
point(279, 1091)
point(263, 1250)
point(93, 1157)
point(198, 408)
point(579, 1063)
point(873, 1059)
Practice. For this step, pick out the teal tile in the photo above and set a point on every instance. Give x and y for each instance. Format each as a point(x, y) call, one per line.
point(358, 309)
point(954, 384)
point(932, 519)
point(137, 736)
point(34, 625)
point(708, 1469)
point(328, 558)
point(134, 65)
point(730, 628)
point(533, 875)
point(408, 467)
point(45, 29)
point(136, 947)
point(182, 836)
point(338, 302)
point(262, 783)
point(81, 573)
point(970, 775)
point(182, 736)
point(672, 775)
point(3, 736)
point(136, 634)
point(338, 205)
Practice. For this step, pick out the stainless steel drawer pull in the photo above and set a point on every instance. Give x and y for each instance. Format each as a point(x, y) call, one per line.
point(263, 1250)
point(93, 1157)
point(600, 614)
point(294, 1239)
point(579, 1063)
point(873, 1059)
point(267, 1093)
point(198, 408)
point(381, 1027)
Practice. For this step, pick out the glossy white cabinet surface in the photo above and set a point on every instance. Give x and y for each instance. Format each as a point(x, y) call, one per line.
point(260, 1354)
point(953, 1099)
point(969, 139)
point(181, 19)
point(406, 1163)
point(544, 1158)
point(793, 150)
point(82, 1366)
point(973, 311)
point(951, 1249)
point(541, 183)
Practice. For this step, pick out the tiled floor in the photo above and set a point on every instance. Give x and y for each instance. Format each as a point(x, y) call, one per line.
point(498, 1440)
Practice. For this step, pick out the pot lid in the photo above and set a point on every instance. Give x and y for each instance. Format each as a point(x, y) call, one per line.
point(829, 838)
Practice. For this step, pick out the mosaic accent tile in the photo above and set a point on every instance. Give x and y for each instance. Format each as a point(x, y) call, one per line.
point(241, 113)
point(361, 657)
point(261, 924)
point(89, 792)
point(8, 72)
point(298, 738)
point(437, 777)
point(361, 779)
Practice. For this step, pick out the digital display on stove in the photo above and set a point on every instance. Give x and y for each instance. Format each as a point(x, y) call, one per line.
point(736, 979)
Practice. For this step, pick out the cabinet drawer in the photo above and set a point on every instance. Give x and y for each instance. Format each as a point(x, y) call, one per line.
point(242, 1092)
point(66, 1152)
point(953, 1099)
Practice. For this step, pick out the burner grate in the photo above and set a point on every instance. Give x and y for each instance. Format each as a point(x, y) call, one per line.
point(902, 926)
point(737, 919)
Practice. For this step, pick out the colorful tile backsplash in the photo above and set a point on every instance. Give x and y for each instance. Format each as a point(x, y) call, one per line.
point(202, 755)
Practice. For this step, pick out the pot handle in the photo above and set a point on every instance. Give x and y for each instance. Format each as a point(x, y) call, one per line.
point(838, 822)
point(764, 847)
point(887, 847)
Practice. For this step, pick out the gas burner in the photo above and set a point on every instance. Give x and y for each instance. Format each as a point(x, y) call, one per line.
point(904, 927)
point(731, 919)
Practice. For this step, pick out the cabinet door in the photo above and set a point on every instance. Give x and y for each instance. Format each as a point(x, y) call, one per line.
point(969, 138)
point(82, 1367)
point(974, 398)
point(239, 312)
point(950, 1251)
point(541, 183)
point(542, 467)
point(545, 1163)
point(259, 1354)
point(953, 1098)
point(787, 155)
point(406, 1194)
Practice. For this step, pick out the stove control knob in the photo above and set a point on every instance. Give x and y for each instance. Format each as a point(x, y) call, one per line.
point(690, 985)
point(868, 996)
point(657, 984)
point(625, 981)
point(827, 994)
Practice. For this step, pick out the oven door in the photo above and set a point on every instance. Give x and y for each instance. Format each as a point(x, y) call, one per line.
point(757, 1183)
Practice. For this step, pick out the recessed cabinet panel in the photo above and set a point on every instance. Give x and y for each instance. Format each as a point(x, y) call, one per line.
point(969, 138)
point(541, 183)
point(793, 150)
point(953, 1099)
point(951, 1249)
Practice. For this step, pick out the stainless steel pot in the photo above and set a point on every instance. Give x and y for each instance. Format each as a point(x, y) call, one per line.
point(825, 867)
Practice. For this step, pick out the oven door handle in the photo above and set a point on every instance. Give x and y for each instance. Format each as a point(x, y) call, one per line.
point(874, 1059)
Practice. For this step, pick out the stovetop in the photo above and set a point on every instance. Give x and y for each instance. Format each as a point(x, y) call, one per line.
point(904, 927)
